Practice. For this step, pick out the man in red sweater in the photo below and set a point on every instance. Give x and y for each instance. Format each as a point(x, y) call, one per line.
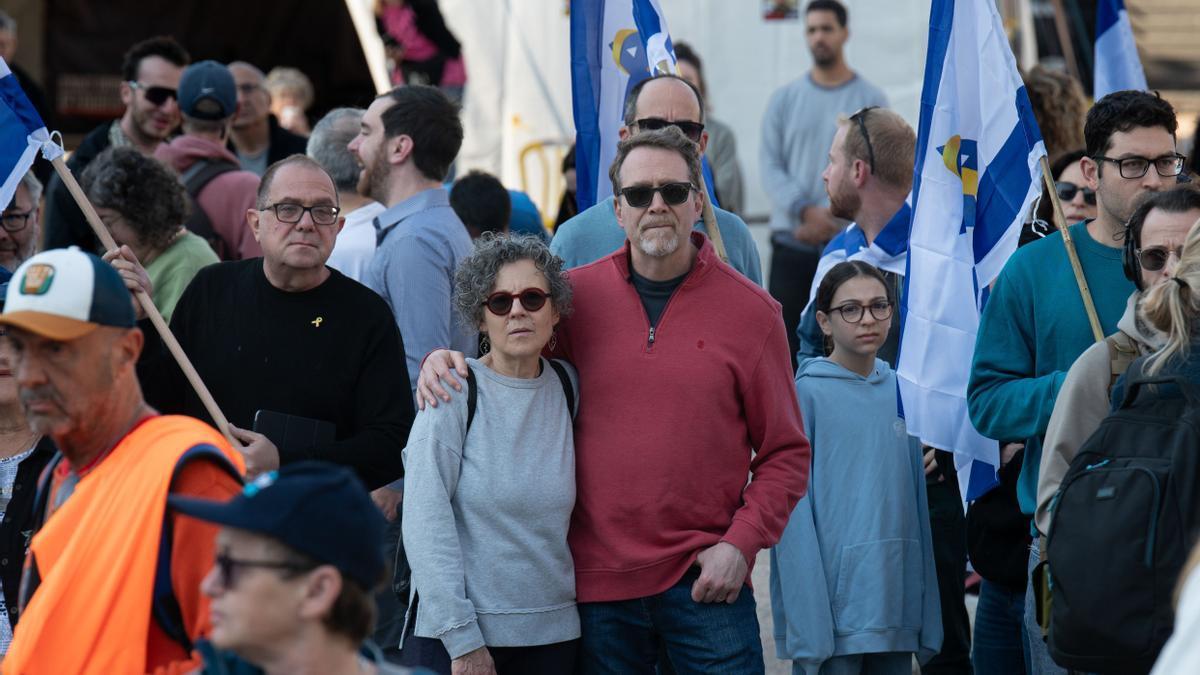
point(686, 388)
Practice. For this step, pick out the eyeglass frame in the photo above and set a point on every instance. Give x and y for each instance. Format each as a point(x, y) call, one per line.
point(1177, 250)
point(860, 118)
point(863, 309)
point(514, 298)
point(147, 88)
point(660, 123)
point(274, 208)
point(1179, 159)
point(24, 220)
point(226, 565)
point(1075, 189)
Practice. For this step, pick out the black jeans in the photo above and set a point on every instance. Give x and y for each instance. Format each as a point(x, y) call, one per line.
point(948, 525)
point(793, 266)
point(549, 659)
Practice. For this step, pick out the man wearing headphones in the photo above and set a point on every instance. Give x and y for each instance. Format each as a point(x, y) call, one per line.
point(1034, 325)
point(1153, 240)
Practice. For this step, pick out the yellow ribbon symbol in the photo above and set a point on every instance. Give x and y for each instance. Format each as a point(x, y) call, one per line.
point(317, 321)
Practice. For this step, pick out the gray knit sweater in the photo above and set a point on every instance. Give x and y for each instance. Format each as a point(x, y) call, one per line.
point(485, 517)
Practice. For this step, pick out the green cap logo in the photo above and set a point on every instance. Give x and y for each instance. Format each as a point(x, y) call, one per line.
point(37, 279)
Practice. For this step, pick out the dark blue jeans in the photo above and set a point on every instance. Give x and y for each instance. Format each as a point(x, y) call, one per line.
point(624, 637)
point(998, 647)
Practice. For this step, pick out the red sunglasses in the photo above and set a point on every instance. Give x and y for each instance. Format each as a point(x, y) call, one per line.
point(501, 303)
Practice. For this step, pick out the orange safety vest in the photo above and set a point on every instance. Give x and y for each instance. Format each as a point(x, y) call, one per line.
point(96, 557)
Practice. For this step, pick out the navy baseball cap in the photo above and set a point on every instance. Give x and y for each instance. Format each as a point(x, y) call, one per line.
point(207, 91)
point(320, 509)
point(64, 294)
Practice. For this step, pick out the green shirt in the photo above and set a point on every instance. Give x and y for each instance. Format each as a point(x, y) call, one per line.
point(173, 269)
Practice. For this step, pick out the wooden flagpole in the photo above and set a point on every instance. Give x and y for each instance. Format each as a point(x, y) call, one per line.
point(710, 223)
point(147, 304)
point(1060, 221)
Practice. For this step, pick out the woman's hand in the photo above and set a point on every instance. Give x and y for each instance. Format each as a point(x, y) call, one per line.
point(132, 273)
point(436, 370)
point(477, 662)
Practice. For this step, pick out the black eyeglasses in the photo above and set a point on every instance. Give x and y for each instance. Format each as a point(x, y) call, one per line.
point(1136, 167)
point(15, 222)
point(227, 567)
point(287, 212)
point(860, 118)
point(501, 303)
point(692, 130)
point(852, 312)
point(1155, 258)
point(1067, 190)
point(156, 95)
point(640, 196)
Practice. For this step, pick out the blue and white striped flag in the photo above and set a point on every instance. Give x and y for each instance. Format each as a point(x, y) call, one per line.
point(1118, 66)
point(888, 252)
point(614, 45)
point(22, 135)
point(977, 173)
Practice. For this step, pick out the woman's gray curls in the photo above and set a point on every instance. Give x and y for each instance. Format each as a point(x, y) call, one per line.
point(476, 276)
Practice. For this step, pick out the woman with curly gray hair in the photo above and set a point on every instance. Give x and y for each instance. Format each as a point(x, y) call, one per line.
point(144, 205)
point(490, 481)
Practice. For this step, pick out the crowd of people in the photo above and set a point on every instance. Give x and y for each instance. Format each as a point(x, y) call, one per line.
point(460, 442)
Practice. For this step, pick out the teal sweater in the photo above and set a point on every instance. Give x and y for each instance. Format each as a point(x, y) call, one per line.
point(1033, 328)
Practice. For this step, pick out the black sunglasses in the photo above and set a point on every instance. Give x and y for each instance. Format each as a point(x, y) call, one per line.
point(227, 566)
point(156, 95)
point(501, 303)
point(860, 118)
point(640, 196)
point(690, 129)
point(1066, 191)
point(1155, 258)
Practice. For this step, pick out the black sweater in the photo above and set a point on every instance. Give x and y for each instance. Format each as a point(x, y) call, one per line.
point(332, 353)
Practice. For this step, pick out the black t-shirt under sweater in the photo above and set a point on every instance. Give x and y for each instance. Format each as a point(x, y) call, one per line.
point(654, 294)
point(331, 353)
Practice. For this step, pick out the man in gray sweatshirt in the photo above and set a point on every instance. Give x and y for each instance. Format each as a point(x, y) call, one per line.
point(797, 132)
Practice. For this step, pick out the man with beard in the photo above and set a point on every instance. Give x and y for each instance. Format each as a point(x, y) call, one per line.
point(257, 138)
point(21, 230)
point(684, 401)
point(798, 127)
point(406, 142)
point(150, 76)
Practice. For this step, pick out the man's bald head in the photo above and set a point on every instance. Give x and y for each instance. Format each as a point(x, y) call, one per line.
point(654, 94)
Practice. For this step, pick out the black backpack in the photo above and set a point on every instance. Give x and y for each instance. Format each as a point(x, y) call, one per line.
point(401, 572)
point(1123, 524)
point(194, 179)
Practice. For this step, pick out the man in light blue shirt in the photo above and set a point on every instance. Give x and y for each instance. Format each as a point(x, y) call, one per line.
point(594, 233)
point(407, 140)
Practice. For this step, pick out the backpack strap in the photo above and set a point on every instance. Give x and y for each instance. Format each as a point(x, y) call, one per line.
point(165, 606)
point(472, 398)
point(1122, 350)
point(561, 371)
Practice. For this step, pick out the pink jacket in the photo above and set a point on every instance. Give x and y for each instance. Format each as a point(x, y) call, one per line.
point(225, 199)
point(672, 421)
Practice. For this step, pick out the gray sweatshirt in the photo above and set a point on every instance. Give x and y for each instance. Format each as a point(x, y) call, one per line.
point(797, 131)
point(486, 515)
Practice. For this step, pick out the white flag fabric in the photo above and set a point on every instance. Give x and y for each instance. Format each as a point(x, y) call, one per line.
point(977, 173)
point(22, 135)
point(1117, 65)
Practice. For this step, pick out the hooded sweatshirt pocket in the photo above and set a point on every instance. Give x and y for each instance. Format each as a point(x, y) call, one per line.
point(871, 590)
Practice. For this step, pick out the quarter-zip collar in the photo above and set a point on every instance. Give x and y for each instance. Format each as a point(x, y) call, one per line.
point(705, 259)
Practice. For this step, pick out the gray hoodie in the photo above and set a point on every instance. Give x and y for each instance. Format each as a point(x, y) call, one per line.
point(1082, 403)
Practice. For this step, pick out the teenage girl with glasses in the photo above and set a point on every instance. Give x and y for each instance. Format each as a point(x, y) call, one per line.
point(853, 586)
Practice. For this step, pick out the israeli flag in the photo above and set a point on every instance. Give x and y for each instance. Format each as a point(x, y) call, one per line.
point(977, 173)
point(888, 252)
point(1117, 64)
point(22, 135)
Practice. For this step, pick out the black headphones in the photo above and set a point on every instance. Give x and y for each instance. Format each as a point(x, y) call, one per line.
point(1129, 260)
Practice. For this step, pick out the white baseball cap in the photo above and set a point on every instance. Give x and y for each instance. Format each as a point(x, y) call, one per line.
point(64, 294)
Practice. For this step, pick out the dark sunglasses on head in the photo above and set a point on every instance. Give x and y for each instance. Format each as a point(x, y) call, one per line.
point(156, 95)
point(640, 196)
point(1066, 191)
point(501, 303)
point(1155, 258)
point(690, 129)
